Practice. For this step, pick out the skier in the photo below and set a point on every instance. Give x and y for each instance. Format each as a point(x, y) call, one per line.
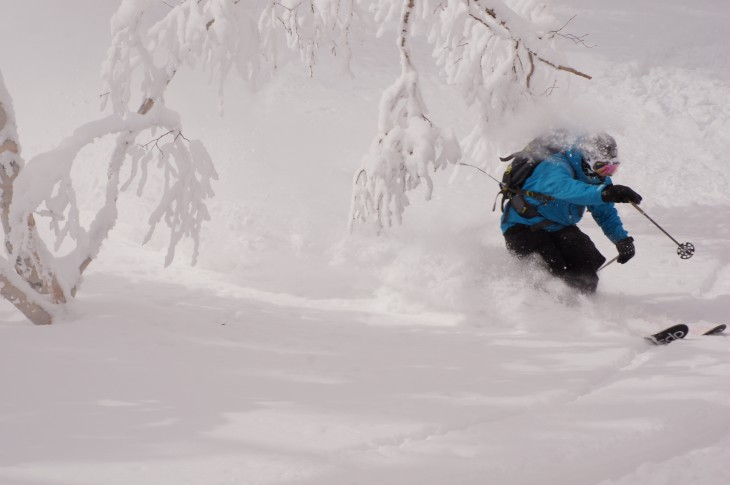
point(563, 186)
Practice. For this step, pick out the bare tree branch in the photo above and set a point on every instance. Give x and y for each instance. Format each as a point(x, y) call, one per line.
point(504, 24)
point(563, 68)
point(404, 32)
point(576, 39)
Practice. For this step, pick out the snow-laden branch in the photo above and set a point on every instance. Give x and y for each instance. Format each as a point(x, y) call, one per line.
point(517, 30)
point(188, 171)
point(128, 55)
point(499, 59)
point(218, 34)
point(46, 181)
point(310, 26)
point(484, 47)
point(408, 146)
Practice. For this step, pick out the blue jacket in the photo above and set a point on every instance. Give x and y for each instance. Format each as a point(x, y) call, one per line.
point(561, 176)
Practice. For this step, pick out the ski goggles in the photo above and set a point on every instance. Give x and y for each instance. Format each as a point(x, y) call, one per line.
point(606, 168)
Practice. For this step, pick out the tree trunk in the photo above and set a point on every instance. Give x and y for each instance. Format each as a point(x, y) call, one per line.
point(34, 312)
point(11, 292)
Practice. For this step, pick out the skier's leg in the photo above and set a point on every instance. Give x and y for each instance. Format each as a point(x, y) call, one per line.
point(523, 242)
point(582, 258)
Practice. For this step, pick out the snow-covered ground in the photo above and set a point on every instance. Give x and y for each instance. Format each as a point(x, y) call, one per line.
point(297, 353)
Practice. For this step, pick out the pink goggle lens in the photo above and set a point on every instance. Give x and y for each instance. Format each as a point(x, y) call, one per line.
point(606, 169)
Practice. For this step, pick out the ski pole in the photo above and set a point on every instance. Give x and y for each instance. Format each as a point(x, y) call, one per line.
point(614, 259)
point(481, 170)
point(684, 250)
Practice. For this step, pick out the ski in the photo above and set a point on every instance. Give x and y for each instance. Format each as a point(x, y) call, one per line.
point(680, 331)
point(715, 330)
point(669, 335)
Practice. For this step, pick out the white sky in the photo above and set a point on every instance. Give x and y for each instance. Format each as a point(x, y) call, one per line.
point(51, 60)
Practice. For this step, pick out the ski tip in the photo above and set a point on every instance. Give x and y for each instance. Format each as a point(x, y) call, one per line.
point(715, 330)
point(669, 335)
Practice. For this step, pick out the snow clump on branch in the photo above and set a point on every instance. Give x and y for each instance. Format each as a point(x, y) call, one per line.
point(400, 157)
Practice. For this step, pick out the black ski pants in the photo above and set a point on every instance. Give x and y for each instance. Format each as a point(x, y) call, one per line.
point(568, 253)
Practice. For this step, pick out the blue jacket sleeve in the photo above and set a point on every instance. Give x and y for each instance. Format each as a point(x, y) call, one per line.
point(607, 217)
point(555, 179)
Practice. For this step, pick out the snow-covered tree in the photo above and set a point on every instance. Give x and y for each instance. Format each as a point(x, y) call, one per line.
point(406, 147)
point(310, 26)
point(35, 280)
point(494, 55)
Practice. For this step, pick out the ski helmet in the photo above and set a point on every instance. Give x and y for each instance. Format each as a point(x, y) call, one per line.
point(600, 153)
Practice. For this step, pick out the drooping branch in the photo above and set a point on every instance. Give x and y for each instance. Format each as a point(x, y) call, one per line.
point(309, 26)
point(407, 147)
point(504, 20)
point(194, 17)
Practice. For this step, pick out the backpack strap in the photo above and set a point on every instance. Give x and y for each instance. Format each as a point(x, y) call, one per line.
point(520, 205)
point(510, 157)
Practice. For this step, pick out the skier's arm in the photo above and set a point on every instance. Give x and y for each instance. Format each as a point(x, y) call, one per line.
point(608, 219)
point(556, 180)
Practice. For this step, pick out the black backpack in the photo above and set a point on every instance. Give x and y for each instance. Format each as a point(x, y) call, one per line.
point(522, 164)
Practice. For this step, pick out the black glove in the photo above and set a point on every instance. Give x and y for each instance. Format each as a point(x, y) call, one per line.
point(620, 193)
point(626, 249)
